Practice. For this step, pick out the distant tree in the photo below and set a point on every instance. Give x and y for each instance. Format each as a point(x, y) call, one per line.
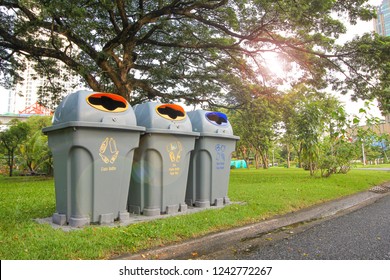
point(370, 140)
point(257, 122)
point(34, 152)
point(289, 115)
point(308, 116)
point(11, 139)
point(337, 150)
point(310, 129)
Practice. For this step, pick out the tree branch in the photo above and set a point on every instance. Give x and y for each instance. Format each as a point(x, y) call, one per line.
point(122, 13)
point(112, 19)
point(19, 45)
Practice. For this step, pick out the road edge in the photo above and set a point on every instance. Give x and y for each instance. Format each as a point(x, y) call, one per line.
point(218, 241)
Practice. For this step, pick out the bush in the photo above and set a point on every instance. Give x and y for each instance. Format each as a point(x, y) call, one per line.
point(336, 157)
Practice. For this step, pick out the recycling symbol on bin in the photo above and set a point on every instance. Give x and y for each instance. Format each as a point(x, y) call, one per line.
point(108, 150)
point(220, 152)
point(220, 156)
point(174, 150)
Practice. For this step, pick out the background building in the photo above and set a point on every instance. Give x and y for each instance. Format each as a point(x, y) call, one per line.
point(25, 93)
point(382, 27)
point(382, 22)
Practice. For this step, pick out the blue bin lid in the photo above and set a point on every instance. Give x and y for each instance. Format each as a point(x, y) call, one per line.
point(210, 123)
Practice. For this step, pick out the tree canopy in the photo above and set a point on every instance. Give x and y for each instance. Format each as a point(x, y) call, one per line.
point(198, 51)
point(369, 57)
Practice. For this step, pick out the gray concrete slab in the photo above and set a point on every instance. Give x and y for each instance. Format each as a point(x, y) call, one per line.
point(134, 218)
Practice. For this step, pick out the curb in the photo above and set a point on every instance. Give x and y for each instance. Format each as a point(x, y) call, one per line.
point(219, 241)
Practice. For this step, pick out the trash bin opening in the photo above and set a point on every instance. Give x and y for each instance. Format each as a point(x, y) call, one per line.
point(171, 112)
point(108, 102)
point(217, 118)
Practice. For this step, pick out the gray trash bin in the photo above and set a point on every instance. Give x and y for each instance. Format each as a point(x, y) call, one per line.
point(160, 168)
point(92, 140)
point(209, 172)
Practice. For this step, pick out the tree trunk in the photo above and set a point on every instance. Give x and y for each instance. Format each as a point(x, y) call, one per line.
point(29, 165)
point(245, 155)
point(299, 154)
point(288, 156)
point(265, 160)
point(11, 162)
point(257, 161)
point(311, 166)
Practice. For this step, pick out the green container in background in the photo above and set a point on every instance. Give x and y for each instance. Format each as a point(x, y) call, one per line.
point(209, 171)
point(160, 167)
point(92, 140)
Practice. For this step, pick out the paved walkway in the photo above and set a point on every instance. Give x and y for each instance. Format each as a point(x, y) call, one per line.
point(374, 168)
point(360, 235)
point(214, 243)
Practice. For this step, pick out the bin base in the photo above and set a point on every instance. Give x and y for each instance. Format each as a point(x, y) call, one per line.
point(206, 204)
point(124, 216)
point(106, 219)
point(169, 209)
point(183, 207)
point(218, 202)
point(134, 209)
point(202, 204)
point(78, 222)
point(151, 211)
point(172, 209)
point(221, 201)
point(59, 219)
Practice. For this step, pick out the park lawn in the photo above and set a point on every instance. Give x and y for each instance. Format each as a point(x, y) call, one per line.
point(261, 193)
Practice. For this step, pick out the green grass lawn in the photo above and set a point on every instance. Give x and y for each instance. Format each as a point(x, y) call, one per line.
point(265, 193)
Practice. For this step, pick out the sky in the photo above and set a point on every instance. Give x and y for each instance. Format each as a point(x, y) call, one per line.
point(351, 107)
